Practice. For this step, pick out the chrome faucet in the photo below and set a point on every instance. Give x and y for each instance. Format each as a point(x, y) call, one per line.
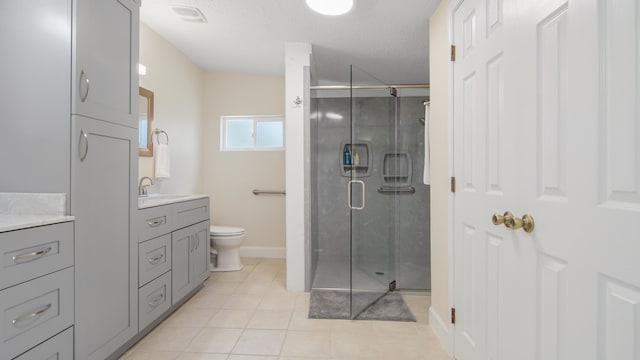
point(142, 189)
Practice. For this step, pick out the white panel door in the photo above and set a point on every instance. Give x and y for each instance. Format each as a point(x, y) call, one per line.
point(487, 261)
point(571, 86)
point(583, 185)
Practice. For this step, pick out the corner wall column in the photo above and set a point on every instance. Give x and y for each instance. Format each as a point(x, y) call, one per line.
point(297, 57)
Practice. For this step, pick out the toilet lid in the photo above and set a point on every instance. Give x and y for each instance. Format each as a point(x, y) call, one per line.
point(226, 230)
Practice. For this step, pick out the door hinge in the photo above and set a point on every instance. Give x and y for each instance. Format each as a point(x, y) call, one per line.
point(453, 184)
point(453, 53)
point(453, 315)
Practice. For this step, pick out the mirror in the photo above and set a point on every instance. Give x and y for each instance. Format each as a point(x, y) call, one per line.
point(145, 120)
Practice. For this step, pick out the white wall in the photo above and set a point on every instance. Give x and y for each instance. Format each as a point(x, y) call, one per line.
point(178, 87)
point(440, 192)
point(297, 57)
point(230, 176)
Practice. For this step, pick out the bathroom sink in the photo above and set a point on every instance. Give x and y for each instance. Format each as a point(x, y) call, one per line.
point(161, 196)
point(150, 200)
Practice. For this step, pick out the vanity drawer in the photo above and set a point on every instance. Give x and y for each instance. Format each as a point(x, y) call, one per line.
point(154, 258)
point(29, 253)
point(154, 299)
point(153, 222)
point(32, 312)
point(190, 212)
point(58, 347)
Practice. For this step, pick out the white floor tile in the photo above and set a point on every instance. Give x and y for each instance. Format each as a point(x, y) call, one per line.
point(260, 342)
point(307, 344)
point(270, 319)
point(250, 315)
point(215, 340)
point(202, 356)
point(234, 319)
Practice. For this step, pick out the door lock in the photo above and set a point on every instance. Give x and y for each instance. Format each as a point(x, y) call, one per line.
point(526, 223)
point(514, 223)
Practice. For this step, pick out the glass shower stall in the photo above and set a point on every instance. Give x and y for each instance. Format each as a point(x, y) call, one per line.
point(369, 205)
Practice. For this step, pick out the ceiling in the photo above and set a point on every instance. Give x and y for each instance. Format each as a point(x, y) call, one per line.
point(386, 38)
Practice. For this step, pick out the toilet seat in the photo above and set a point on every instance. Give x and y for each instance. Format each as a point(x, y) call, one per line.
point(219, 231)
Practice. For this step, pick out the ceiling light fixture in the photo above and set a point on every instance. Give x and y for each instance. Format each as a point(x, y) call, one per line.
point(331, 7)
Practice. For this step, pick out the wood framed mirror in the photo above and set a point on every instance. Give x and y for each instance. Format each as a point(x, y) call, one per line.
point(145, 122)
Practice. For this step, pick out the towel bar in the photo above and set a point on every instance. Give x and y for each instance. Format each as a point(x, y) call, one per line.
point(158, 132)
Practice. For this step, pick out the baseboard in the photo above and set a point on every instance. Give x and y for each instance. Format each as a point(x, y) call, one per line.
point(442, 329)
point(272, 252)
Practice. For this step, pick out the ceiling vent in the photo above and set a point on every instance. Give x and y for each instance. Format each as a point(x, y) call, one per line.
point(188, 13)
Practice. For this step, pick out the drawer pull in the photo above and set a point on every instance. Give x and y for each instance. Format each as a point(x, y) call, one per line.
point(156, 259)
point(156, 222)
point(29, 317)
point(22, 258)
point(156, 300)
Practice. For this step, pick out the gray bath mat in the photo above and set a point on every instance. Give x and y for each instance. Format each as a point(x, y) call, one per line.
point(334, 304)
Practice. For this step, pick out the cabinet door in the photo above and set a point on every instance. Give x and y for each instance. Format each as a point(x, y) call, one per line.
point(106, 81)
point(200, 254)
point(190, 258)
point(35, 95)
point(181, 268)
point(103, 200)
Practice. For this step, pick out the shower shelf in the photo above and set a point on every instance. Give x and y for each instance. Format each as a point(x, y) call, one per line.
point(396, 170)
point(364, 151)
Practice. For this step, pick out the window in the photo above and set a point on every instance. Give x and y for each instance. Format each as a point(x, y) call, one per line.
point(252, 133)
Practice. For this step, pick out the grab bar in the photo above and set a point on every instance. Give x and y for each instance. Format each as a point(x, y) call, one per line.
point(268, 192)
point(410, 190)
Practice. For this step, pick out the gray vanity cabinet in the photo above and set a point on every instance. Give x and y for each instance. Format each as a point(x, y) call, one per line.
point(173, 256)
point(104, 201)
point(36, 291)
point(190, 259)
point(106, 60)
point(35, 93)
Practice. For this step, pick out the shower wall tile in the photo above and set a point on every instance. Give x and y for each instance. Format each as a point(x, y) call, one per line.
point(384, 214)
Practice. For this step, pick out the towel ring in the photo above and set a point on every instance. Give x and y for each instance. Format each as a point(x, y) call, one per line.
point(158, 132)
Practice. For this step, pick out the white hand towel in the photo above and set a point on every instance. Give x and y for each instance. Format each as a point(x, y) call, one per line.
point(163, 163)
point(427, 152)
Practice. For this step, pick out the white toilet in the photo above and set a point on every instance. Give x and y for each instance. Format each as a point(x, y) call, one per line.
point(226, 241)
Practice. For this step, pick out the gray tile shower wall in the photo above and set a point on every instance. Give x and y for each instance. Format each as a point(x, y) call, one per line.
point(392, 227)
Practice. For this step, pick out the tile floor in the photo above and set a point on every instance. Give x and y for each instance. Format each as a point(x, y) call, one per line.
point(249, 315)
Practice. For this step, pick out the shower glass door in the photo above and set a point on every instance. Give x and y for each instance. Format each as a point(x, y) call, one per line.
point(372, 209)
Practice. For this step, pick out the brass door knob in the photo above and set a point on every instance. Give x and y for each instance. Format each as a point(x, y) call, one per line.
point(526, 223)
point(498, 219)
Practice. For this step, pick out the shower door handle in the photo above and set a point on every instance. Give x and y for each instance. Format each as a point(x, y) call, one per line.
point(351, 182)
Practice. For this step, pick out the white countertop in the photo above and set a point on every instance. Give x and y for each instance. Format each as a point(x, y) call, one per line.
point(26, 210)
point(165, 199)
point(10, 222)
